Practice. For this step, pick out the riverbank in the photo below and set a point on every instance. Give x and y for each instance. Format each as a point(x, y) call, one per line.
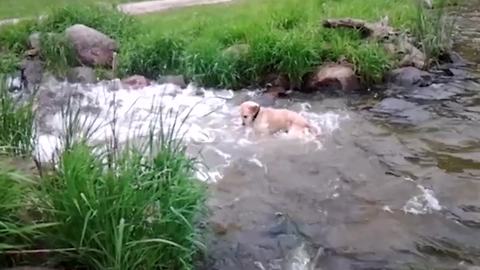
point(239, 44)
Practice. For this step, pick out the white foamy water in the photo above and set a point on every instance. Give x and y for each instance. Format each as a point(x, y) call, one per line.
point(424, 203)
point(211, 123)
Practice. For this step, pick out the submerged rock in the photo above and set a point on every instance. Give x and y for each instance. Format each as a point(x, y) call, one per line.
point(32, 72)
point(136, 82)
point(333, 77)
point(410, 76)
point(92, 47)
point(177, 80)
point(81, 75)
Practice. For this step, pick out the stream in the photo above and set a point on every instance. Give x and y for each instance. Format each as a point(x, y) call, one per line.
point(393, 182)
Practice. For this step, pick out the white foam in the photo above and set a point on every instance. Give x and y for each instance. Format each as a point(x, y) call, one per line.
point(208, 117)
point(424, 203)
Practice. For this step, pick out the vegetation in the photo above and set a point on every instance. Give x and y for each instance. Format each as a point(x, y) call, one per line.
point(280, 37)
point(31, 8)
point(16, 120)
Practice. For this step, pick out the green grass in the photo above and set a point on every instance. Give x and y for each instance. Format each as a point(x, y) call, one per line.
point(284, 37)
point(137, 214)
point(32, 8)
point(17, 231)
point(16, 120)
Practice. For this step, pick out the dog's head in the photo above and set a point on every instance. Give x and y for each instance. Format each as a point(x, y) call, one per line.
point(248, 111)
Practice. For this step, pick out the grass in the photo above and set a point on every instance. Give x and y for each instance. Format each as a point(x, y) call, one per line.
point(31, 8)
point(16, 120)
point(281, 37)
point(12, 199)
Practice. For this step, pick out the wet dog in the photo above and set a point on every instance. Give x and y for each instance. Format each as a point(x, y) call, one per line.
point(266, 120)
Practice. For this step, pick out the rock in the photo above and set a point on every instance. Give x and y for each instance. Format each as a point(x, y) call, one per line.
point(377, 30)
point(32, 53)
point(136, 82)
point(14, 82)
point(92, 47)
point(34, 40)
point(410, 76)
point(81, 75)
point(276, 83)
point(32, 72)
point(178, 80)
point(402, 111)
point(393, 105)
point(237, 50)
point(265, 99)
point(427, 3)
point(333, 77)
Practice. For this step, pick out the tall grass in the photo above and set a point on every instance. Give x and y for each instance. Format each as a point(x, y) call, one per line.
point(129, 208)
point(16, 120)
point(433, 29)
point(18, 233)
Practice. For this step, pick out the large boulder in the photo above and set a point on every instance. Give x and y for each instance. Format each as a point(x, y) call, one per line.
point(92, 47)
point(332, 76)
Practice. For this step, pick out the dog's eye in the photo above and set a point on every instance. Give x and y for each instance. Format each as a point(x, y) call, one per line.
point(245, 116)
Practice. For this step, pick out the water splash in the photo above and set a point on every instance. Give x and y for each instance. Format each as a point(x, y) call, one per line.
point(424, 203)
point(209, 118)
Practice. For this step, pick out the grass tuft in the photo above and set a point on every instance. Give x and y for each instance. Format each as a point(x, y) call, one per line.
point(16, 120)
point(129, 208)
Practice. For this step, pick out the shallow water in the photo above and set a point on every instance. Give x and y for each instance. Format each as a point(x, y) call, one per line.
point(392, 183)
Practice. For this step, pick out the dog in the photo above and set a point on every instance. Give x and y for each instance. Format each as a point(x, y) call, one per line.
point(266, 120)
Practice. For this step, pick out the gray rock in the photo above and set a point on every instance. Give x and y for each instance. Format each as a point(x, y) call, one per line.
point(333, 77)
point(178, 80)
point(34, 40)
point(14, 82)
point(402, 111)
point(32, 72)
point(393, 105)
point(136, 82)
point(410, 76)
point(92, 47)
point(81, 75)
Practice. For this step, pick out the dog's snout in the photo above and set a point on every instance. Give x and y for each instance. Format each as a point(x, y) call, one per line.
point(243, 123)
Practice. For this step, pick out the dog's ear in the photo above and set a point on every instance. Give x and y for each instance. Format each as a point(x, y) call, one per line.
point(254, 108)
